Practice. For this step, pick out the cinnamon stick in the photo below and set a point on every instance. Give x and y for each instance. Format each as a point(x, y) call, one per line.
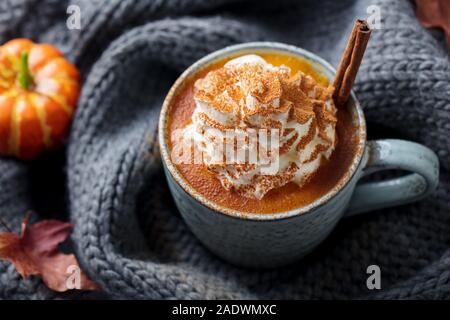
point(350, 62)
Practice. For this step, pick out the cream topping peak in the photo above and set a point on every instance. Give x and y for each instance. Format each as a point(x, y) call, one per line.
point(250, 94)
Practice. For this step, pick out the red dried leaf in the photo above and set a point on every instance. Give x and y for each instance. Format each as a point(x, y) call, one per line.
point(35, 252)
point(434, 13)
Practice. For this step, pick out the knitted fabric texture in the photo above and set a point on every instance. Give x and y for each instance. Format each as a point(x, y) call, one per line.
point(128, 235)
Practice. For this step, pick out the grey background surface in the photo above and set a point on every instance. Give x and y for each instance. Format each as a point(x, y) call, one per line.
point(128, 235)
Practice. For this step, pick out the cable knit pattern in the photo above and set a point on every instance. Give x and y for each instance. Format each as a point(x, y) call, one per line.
point(128, 235)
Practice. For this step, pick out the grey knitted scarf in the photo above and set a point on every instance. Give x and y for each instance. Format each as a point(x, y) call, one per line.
point(128, 235)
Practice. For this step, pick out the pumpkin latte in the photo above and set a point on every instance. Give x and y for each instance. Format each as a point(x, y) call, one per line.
point(283, 113)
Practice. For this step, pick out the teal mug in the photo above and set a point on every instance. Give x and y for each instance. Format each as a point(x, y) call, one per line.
point(271, 240)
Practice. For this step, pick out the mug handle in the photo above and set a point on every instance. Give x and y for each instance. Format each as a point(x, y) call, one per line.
point(395, 154)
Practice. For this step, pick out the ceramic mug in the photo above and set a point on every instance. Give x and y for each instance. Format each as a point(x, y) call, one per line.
point(271, 240)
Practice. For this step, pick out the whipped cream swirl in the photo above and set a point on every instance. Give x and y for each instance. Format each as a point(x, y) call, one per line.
point(249, 93)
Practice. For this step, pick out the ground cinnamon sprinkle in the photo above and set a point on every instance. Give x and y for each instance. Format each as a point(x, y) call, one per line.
point(225, 90)
point(254, 95)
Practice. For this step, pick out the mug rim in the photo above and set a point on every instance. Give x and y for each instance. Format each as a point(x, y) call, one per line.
point(215, 56)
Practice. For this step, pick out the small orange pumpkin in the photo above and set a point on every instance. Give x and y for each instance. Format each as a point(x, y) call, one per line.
point(39, 90)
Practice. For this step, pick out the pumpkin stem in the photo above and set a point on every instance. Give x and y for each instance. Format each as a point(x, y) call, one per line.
point(25, 79)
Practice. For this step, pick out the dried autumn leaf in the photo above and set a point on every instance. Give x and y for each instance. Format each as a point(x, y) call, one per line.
point(35, 252)
point(434, 13)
